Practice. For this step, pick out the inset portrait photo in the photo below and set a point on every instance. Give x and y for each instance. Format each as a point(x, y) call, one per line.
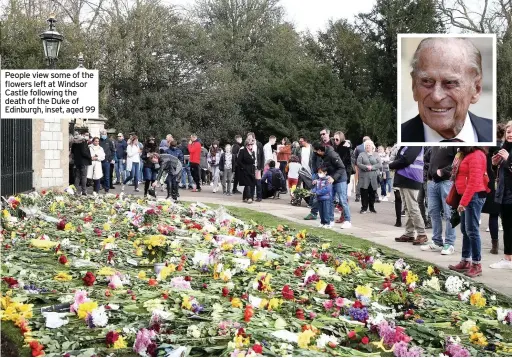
point(446, 89)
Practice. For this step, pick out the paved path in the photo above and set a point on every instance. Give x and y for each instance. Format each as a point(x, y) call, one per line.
point(372, 227)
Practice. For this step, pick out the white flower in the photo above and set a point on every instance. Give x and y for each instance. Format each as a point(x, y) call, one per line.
point(324, 339)
point(464, 296)
point(323, 271)
point(466, 326)
point(453, 284)
point(230, 285)
point(400, 264)
point(502, 313)
point(99, 317)
point(432, 283)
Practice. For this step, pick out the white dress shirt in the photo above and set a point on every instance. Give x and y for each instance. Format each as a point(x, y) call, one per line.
point(467, 134)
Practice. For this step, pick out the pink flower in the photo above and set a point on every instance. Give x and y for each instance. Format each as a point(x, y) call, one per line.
point(328, 304)
point(312, 315)
point(339, 301)
point(143, 340)
point(80, 297)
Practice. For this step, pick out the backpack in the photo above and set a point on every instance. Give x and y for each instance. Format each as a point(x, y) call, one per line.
point(276, 180)
point(175, 166)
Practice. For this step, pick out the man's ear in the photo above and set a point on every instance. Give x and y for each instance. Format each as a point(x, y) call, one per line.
point(413, 87)
point(477, 88)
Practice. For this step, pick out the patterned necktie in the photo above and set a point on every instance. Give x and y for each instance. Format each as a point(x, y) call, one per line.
point(452, 140)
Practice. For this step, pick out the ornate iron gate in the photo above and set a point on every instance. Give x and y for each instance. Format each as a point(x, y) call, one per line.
point(15, 156)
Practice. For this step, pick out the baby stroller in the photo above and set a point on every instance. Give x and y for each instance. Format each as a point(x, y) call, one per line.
point(299, 194)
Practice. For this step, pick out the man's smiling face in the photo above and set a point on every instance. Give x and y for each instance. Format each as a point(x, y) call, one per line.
point(444, 86)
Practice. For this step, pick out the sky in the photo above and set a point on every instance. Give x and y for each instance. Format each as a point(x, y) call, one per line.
point(312, 15)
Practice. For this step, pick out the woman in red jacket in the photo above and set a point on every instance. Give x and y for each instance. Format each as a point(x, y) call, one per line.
point(471, 182)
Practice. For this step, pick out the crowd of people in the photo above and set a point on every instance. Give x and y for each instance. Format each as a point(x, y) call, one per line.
point(430, 185)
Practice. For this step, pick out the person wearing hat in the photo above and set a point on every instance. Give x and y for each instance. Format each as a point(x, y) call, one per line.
point(120, 158)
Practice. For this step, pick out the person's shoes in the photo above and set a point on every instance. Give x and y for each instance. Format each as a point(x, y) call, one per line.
point(448, 249)
point(196, 190)
point(322, 226)
point(258, 200)
point(403, 213)
point(433, 247)
point(84, 194)
point(373, 211)
point(474, 271)
point(487, 230)
point(346, 225)
point(117, 183)
point(112, 187)
point(502, 264)
point(428, 225)
point(340, 221)
point(249, 201)
point(237, 192)
point(398, 224)
point(420, 240)
point(229, 194)
point(310, 217)
point(245, 200)
point(214, 190)
point(377, 200)
point(181, 186)
point(404, 238)
point(384, 198)
point(137, 189)
point(462, 266)
point(358, 198)
point(122, 187)
point(494, 249)
point(190, 187)
point(363, 211)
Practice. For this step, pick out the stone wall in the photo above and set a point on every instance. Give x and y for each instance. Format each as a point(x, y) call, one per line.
point(50, 156)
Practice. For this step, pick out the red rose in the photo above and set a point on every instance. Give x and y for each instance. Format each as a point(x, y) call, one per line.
point(37, 349)
point(332, 345)
point(152, 282)
point(165, 296)
point(245, 296)
point(11, 281)
point(111, 337)
point(205, 286)
point(61, 224)
point(151, 350)
point(352, 334)
point(89, 279)
point(63, 260)
point(110, 255)
point(299, 314)
point(358, 304)
point(325, 256)
point(225, 292)
point(365, 340)
point(257, 348)
point(287, 293)
point(188, 278)
point(331, 291)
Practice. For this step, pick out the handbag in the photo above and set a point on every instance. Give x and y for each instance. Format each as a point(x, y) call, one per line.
point(453, 198)
point(455, 218)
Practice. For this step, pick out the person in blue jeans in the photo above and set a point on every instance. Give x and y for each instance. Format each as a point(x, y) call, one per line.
point(438, 187)
point(323, 193)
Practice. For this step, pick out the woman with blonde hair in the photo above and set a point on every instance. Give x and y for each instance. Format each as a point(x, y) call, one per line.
point(369, 165)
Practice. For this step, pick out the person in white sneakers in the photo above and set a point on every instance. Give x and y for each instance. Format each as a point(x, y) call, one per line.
point(503, 161)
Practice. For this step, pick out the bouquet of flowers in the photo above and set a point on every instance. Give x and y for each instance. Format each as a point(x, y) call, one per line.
point(157, 247)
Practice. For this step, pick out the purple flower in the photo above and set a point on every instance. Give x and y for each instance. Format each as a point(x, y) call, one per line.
point(456, 350)
point(197, 308)
point(358, 314)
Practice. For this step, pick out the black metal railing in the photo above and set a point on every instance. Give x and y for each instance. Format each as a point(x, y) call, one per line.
point(15, 156)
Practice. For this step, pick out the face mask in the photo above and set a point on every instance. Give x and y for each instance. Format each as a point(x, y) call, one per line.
point(103, 137)
point(321, 175)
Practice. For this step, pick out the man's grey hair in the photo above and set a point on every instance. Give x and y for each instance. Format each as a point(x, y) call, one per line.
point(474, 55)
point(103, 131)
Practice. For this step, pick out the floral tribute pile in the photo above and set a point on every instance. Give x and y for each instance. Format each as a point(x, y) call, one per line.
point(77, 280)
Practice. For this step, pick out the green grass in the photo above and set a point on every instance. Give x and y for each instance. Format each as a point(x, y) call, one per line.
point(13, 339)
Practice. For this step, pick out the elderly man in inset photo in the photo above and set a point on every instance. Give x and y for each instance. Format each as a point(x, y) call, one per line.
point(446, 79)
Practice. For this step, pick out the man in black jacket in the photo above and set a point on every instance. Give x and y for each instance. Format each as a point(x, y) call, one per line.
point(82, 159)
point(234, 150)
point(438, 187)
point(109, 149)
point(259, 163)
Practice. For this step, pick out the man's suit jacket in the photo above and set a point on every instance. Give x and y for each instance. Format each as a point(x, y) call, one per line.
point(412, 130)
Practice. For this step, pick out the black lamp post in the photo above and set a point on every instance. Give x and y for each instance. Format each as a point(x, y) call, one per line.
point(51, 42)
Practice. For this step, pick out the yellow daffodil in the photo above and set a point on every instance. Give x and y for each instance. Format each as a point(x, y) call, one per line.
point(430, 270)
point(85, 308)
point(365, 291)
point(186, 303)
point(69, 227)
point(106, 271)
point(106, 227)
point(273, 304)
point(344, 268)
point(165, 272)
point(320, 286)
point(380, 345)
point(227, 247)
point(411, 278)
point(263, 304)
point(477, 300)
point(386, 269)
point(120, 343)
point(155, 240)
point(208, 237)
point(326, 246)
point(5, 213)
point(236, 303)
point(139, 251)
point(43, 244)
point(305, 338)
point(63, 276)
point(241, 342)
point(142, 275)
point(108, 240)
